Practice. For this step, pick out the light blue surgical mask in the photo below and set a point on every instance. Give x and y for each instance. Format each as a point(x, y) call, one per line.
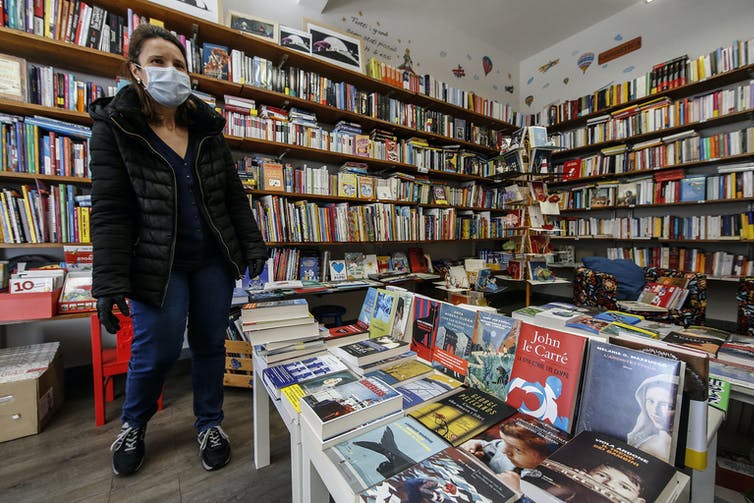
point(167, 85)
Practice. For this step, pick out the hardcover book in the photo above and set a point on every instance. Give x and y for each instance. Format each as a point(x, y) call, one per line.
point(448, 476)
point(354, 265)
point(399, 262)
point(596, 468)
point(515, 446)
point(308, 268)
point(426, 313)
point(546, 373)
point(493, 347)
point(215, 61)
point(366, 186)
point(344, 407)
point(632, 396)
point(427, 388)
point(338, 270)
point(455, 329)
point(347, 185)
point(459, 417)
point(370, 458)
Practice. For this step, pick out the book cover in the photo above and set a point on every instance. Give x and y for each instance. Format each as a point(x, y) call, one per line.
point(404, 310)
point(370, 350)
point(493, 347)
point(632, 396)
point(694, 341)
point(366, 186)
point(515, 446)
point(215, 60)
point(403, 371)
point(459, 417)
point(399, 262)
point(341, 408)
point(274, 309)
point(370, 458)
point(546, 373)
point(273, 177)
point(338, 271)
point(448, 476)
point(587, 323)
point(308, 268)
point(370, 264)
point(354, 265)
point(285, 374)
point(596, 468)
point(611, 316)
point(693, 188)
point(385, 305)
point(295, 392)
point(539, 271)
point(417, 260)
point(622, 330)
point(347, 185)
point(627, 194)
point(427, 388)
point(455, 329)
point(426, 313)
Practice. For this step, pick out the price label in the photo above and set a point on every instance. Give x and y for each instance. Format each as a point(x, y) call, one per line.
point(31, 285)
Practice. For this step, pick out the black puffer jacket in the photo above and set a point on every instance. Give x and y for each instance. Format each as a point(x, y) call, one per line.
point(134, 200)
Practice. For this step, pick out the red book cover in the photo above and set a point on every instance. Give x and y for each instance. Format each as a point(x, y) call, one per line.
point(571, 169)
point(426, 314)
point(417, 262)
point(546, 374)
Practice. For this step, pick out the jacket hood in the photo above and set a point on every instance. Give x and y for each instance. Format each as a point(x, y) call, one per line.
point(125, 105)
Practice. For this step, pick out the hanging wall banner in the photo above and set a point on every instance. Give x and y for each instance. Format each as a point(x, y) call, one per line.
point(619, 50)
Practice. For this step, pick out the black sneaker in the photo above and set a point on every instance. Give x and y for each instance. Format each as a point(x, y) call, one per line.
point(214, 448)
point(128, 450)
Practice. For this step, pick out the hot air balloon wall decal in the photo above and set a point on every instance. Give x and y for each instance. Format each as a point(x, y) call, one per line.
point(295, 39)
point(486, 65)
point(336, 47)
point(584, 61)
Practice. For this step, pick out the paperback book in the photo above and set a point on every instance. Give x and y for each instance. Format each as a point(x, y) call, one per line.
point(455, 329)
point(361, 353)
point(596, 468)
point(493, 347)
point(402, 372)
point(632, 396)
point(404, 311)
point(385, 305)
point(365, 317)
point(426, 313)
point(254, 312)
point(429, 387)
point(459, 417)
point(336, 410)
point(278, 377)
point(370, 458)
point(546, 374)
point(515, 446)
point(295, 392)
point(448, 476)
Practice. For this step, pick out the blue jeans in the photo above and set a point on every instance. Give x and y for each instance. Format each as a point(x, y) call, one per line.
point(202, 296)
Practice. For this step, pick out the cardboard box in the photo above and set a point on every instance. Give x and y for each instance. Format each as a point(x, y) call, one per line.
point(31, 388)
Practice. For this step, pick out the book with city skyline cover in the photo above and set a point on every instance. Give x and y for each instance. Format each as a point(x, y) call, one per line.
point(426, 314)
point(373, 456)
point(453, 340)
point(493, 347)
point(633, 396)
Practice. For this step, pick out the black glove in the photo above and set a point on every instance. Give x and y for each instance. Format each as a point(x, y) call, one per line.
point(105, 311)
point(256, 266)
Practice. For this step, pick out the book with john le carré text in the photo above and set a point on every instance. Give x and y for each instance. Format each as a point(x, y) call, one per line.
point(459, 417)
point(597, 468)
point(455, 329)
point(492, 352)
point(632, 396)
point(546, 374)
point(370, 458)
point(426, 314)
point(448, 476)
point(286, 374)
point(339, 409)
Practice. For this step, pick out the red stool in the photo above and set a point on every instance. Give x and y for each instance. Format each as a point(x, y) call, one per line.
point(109, 362)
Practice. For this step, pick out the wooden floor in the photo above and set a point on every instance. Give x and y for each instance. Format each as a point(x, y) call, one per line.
point(71, 461)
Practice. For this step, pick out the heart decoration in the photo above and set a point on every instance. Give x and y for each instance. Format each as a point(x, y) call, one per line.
point(338, 266)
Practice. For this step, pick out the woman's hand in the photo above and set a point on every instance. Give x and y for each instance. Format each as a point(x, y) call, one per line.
point(105, 311)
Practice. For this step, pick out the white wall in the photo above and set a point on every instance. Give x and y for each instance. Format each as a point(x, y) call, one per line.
point(669, 28)
point(437, 45)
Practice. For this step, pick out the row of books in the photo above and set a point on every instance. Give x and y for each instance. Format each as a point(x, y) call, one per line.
point(724, 59)
point(430, 86)
point(59, 89)
point(733, 226)
point(45, 146)
point(284, 220)
point(665, 187)
point(717, 263)
point(657, 115)
point(672, 150)
point(55, 214)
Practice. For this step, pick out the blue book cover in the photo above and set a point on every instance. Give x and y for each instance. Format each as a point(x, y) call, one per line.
point(367, 307)
point(455, 329)
point(371, 457)
point(215, 60)
point(493, 348)
point(309, 268)
point(285, 374)
point(611, 316)
point(425, 389)
point(693, 188)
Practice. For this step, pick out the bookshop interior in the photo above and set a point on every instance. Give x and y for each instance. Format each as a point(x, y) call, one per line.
point(494, 251)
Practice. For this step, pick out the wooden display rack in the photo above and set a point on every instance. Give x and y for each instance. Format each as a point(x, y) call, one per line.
point(239, 369)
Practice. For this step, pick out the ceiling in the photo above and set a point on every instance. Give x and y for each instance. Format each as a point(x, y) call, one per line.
point(521, 27)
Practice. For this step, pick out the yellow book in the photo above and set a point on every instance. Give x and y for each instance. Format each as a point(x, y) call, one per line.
point(29, 215)
point(157, 22)
point(84, 220)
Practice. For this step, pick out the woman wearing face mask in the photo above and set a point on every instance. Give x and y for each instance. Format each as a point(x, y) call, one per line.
point(171, 230)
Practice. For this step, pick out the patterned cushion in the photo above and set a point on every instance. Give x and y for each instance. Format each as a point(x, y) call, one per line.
point(630, 277)
point(745, 300)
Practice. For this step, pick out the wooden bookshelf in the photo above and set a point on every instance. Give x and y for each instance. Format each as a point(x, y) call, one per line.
point(26, 177)
point(661, 205)
point(23, 108)
point(290, 244)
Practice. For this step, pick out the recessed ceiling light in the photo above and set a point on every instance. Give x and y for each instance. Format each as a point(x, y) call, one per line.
point(648, 1)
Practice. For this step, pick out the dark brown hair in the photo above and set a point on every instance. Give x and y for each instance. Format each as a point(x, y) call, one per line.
point(141, 34)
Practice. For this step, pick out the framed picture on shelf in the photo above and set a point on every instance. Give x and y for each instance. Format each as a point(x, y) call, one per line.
point(209, 10)
point(297, 40)
point(336, 47)
point(253, 25)
point(12, 78)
